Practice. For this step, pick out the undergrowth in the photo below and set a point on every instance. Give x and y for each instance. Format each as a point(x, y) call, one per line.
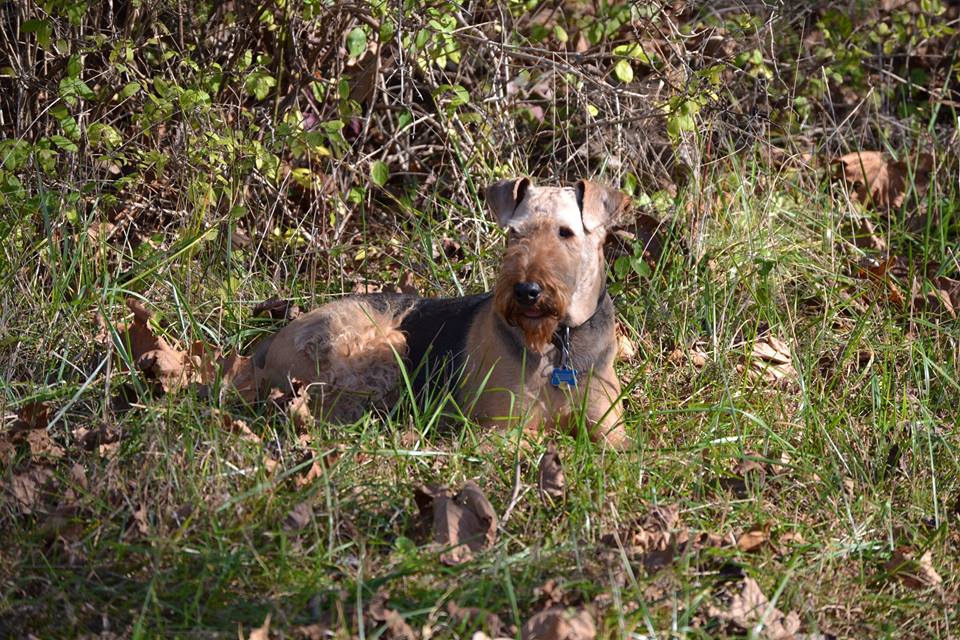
point(788, 332)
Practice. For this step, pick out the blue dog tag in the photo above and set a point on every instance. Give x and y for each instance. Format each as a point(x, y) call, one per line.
point(563, 376)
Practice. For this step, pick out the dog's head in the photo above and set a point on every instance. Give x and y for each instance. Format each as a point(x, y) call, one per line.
point(553, 268)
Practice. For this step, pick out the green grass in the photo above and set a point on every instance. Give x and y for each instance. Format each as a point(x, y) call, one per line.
point(861, 453)
point(175, 526)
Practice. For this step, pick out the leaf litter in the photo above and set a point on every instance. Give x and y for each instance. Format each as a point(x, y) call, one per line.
point(769, 361)
point(550, 480)
point(880, 180)
point(912, 572)
point(461, 523)
point(749, 610)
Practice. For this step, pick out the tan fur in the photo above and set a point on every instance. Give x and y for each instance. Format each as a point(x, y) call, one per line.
point(533, 259)
point(500, 393)
point(346, 352)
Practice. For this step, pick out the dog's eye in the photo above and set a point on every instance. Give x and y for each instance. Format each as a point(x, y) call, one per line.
point(566, 232)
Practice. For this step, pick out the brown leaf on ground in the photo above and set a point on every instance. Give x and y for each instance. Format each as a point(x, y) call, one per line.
point(100, 230)
point(476, 618)
point(770, 361)
point(311, 475)
point(7, 449)
point(626, 350)
point(450, 249)
point(233, 425)
point(33, 415)
point(792, 537)
point(299, 407)
point(465, 522)
point(405, 284)
point(550, 481)
point(754, 539)
point(42, 445)
point(91, 439)
point(940, 296)
point(695, 355)
point(171, 368)
point(312, 632)
point(299, 517)
point(913, 573)
point(30, 486)
point(654, 539)
point(408, 285)
point(750, 465)
point(203, 359)
point(865, 235)
point(262, 632)
point(748, 608)
point(141, 521)
point(878, 179)
point(396, 627)
point(295, 403)
point(560, 624)
point(277, 308)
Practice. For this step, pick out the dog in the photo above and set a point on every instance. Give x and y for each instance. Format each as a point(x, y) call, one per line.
point(537, 352)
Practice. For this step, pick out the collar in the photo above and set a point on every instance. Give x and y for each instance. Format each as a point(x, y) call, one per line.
point(561, 337)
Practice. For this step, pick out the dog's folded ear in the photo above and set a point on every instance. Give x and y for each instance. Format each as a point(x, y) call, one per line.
point(600, 206)
point(504, 197)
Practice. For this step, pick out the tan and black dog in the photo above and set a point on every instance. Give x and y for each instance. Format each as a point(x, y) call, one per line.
point(537, 351)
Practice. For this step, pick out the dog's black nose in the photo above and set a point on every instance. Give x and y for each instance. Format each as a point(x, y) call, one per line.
point(527, 293)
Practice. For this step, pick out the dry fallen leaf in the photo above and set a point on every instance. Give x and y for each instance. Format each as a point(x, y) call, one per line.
point(140, 521)
point(450, 248)
point(396, 627)
point(312, 632)
point(171, 368)
point(28, 487)
point(550, 480)
point(260, 633)
point(655, 539)
point(239, 427)
point(42, 445)
point(558, 623)
point(695, 355)
point(770, 361)
point(465, 522)
point(94, 438)
point(278, 309)
point(408, 285)
point(792, 537)
point(7, 449)
point(626, 350)
point(754, 538)
point(474, 617)
point(100, 231)
point(749, 608)
point(912, 573)
point(299, 517)
point(878, 179)
point(33, 415)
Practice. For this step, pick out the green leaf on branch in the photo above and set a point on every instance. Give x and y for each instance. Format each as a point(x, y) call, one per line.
point(356, 42)
point(623, 71)
point(379, 173)
point(259, 83)
point(64, 143)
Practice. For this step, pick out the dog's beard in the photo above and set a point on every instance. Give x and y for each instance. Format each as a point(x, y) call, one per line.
point(537, 331)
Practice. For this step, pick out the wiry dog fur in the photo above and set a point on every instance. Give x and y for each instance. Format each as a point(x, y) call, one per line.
point(495, 351)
